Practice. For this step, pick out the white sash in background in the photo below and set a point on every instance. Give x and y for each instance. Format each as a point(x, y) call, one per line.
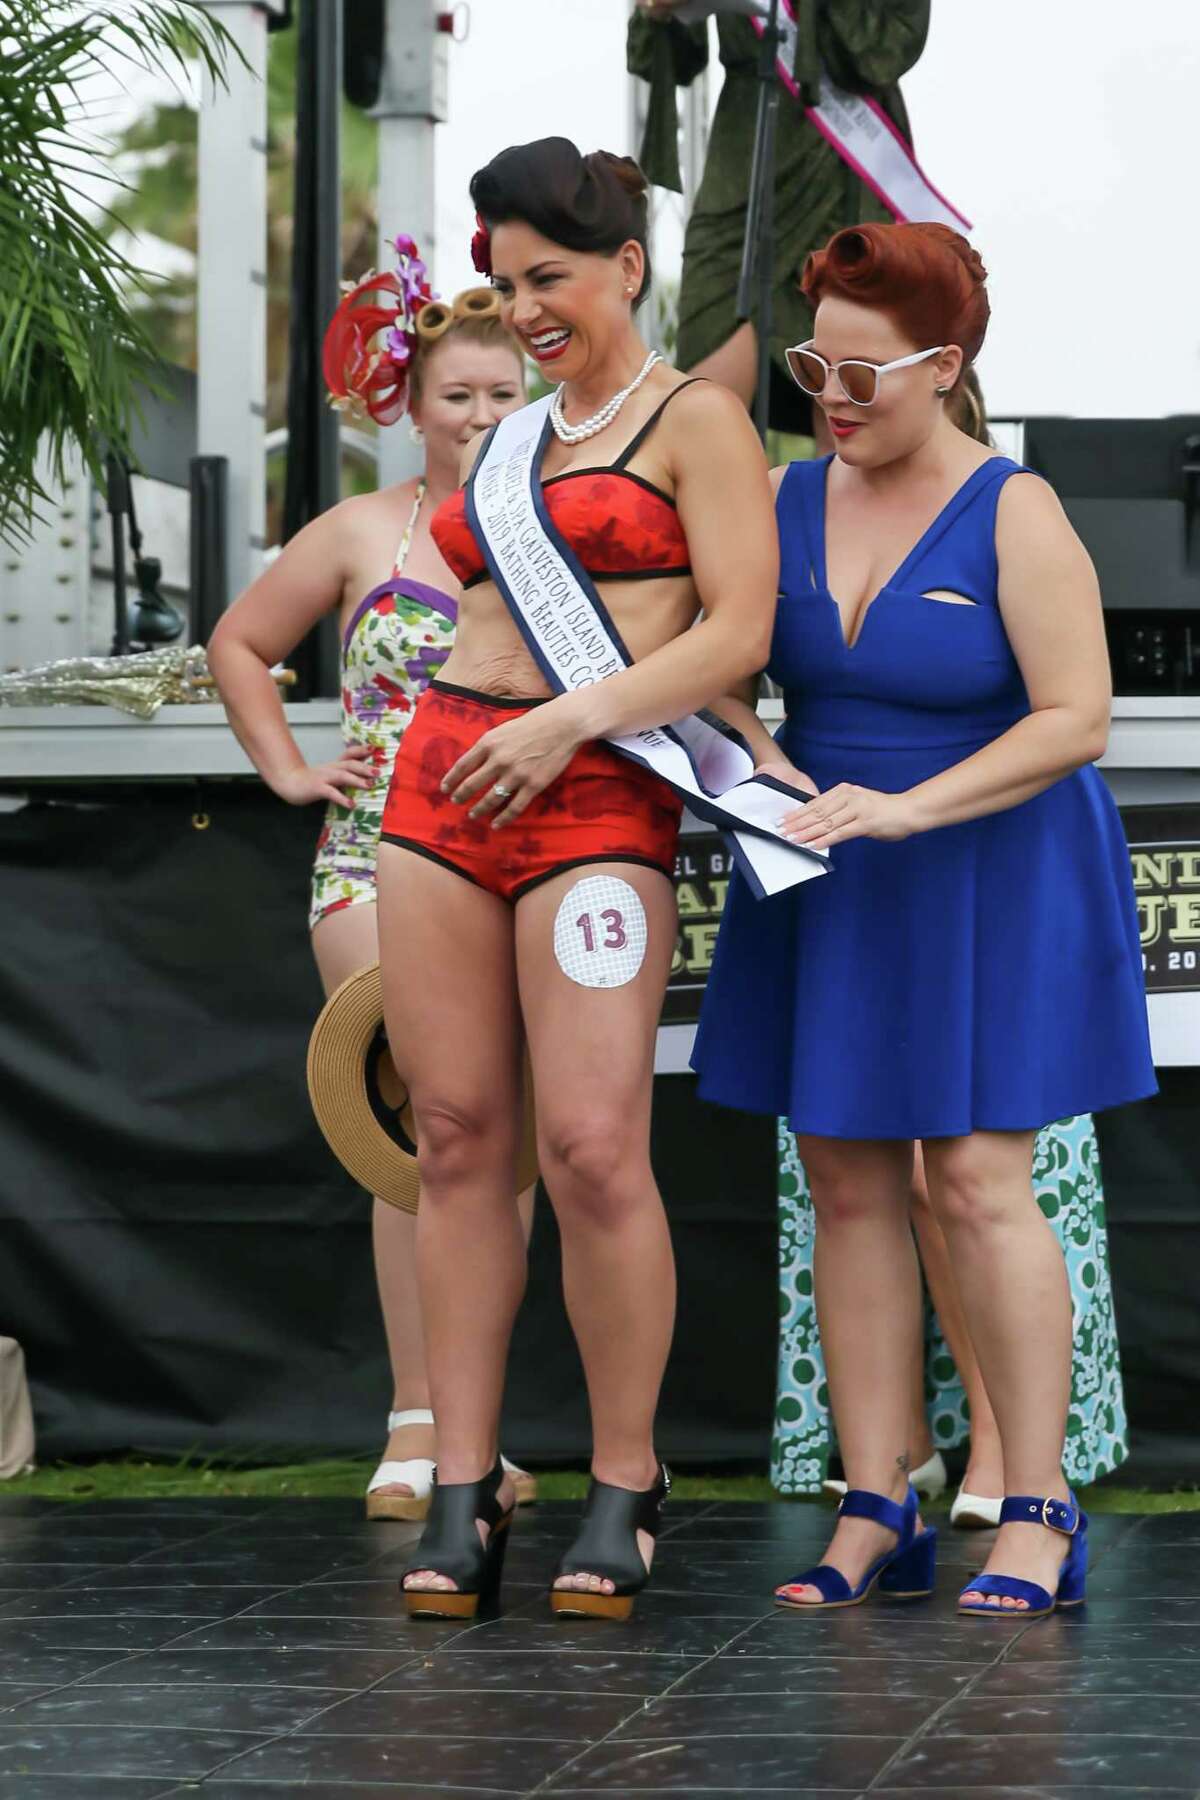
point(563, 620)
point(865, 138)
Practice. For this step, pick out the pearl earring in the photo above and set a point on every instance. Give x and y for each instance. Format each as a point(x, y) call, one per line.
point(416, 435)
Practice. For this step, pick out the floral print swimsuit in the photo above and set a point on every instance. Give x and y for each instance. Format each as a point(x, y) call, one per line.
point(396, 642)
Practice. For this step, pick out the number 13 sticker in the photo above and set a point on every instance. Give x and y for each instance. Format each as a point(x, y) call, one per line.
point(600, 933)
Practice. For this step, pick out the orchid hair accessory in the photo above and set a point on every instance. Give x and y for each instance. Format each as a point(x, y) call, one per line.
point(372, 338)
point(481, 248)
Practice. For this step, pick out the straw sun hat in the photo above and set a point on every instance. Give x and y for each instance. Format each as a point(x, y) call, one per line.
point(361, 1104)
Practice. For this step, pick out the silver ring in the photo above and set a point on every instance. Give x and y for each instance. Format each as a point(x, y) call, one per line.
point(501, 792)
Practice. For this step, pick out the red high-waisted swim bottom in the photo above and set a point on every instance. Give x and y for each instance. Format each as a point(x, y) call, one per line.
point(602, 808)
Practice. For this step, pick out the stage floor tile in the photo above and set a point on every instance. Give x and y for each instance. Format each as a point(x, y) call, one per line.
point(251, 1787)
point(959, 1765)
point(202, 1707)
point(97, 1787)
point(110, 1750)
point(1049, 1791)
point(259, 1651)
point(772, 1762)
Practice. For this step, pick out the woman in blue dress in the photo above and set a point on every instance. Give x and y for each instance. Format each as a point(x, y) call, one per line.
point(971, 969)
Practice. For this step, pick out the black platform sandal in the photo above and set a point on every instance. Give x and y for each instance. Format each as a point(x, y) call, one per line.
point(607, 1546)
point(451, 1546)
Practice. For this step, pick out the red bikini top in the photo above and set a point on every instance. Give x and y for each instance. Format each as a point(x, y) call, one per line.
point(621, 527)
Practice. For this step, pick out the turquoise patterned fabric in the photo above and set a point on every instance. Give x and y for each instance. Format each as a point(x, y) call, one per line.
point(1066, 1172)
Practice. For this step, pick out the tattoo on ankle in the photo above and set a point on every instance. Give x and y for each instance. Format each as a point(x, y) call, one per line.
point(904, 1463)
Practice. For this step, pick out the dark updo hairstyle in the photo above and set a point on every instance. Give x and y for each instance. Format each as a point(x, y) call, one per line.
point(593, 203)
point(926, 276)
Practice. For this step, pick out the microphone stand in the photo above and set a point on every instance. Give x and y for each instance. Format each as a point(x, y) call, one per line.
point(119, 501)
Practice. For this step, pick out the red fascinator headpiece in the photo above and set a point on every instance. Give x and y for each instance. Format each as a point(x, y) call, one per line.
point(371, 338)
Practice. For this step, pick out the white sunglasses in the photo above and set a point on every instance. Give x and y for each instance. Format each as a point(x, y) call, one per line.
point(859, 381)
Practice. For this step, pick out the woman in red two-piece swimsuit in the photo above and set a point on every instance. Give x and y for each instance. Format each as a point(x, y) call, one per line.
point(521, 854)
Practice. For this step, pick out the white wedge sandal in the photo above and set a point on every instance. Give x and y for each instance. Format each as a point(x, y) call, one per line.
point(416, 1473)
point(975, 1512)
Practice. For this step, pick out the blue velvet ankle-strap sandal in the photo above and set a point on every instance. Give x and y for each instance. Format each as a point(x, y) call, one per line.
point(1056, 1515)
point(905, 1572)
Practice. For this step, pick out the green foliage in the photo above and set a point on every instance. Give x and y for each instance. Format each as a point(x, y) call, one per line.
point(255, 1477)
point(72, 350)
point(663, 304)
point(783, 447)
point(249, 1477)
point(157, 156)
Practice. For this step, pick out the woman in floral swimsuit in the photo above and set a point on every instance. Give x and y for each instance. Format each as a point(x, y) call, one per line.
point(455, 371)
point(397, 638)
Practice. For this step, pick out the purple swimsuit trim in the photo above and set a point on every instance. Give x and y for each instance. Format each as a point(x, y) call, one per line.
point(420, 591)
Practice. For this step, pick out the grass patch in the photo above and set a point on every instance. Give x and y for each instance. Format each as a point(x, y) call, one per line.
point(345, 1478)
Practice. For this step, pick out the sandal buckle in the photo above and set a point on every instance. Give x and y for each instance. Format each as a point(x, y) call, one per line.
point(1056, 1524)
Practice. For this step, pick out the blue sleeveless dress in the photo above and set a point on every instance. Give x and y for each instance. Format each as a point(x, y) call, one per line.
point(981, 976)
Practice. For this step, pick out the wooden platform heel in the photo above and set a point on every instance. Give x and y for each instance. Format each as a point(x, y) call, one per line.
point(451, 1546)
point(607, 1546)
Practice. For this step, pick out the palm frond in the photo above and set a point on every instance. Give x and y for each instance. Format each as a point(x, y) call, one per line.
point(73, 350)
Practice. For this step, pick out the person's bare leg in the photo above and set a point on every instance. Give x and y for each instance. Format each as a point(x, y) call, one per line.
point(869, 1311)
point(920, 1438)
point(394, 1232)
point(525, 1203)
point(985, 1465)
point(735, 364)
point(344, 942)
point(461, 1027)
point(593, 1062)
point(1010, 1273)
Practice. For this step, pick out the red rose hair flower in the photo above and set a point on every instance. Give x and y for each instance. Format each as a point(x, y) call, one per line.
point(481, 248)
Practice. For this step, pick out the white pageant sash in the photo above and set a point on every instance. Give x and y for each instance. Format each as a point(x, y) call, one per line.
point(563, 620)
point(863, 136)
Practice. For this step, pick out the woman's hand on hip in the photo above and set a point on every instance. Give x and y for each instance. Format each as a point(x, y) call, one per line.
point(334, 781)
point(846, 812)
point(510, 765)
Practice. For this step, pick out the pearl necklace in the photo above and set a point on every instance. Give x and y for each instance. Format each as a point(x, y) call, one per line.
point(575, 434)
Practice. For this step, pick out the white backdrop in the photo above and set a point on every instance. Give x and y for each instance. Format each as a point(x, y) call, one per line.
point(1066, 129)
point(529, 69)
